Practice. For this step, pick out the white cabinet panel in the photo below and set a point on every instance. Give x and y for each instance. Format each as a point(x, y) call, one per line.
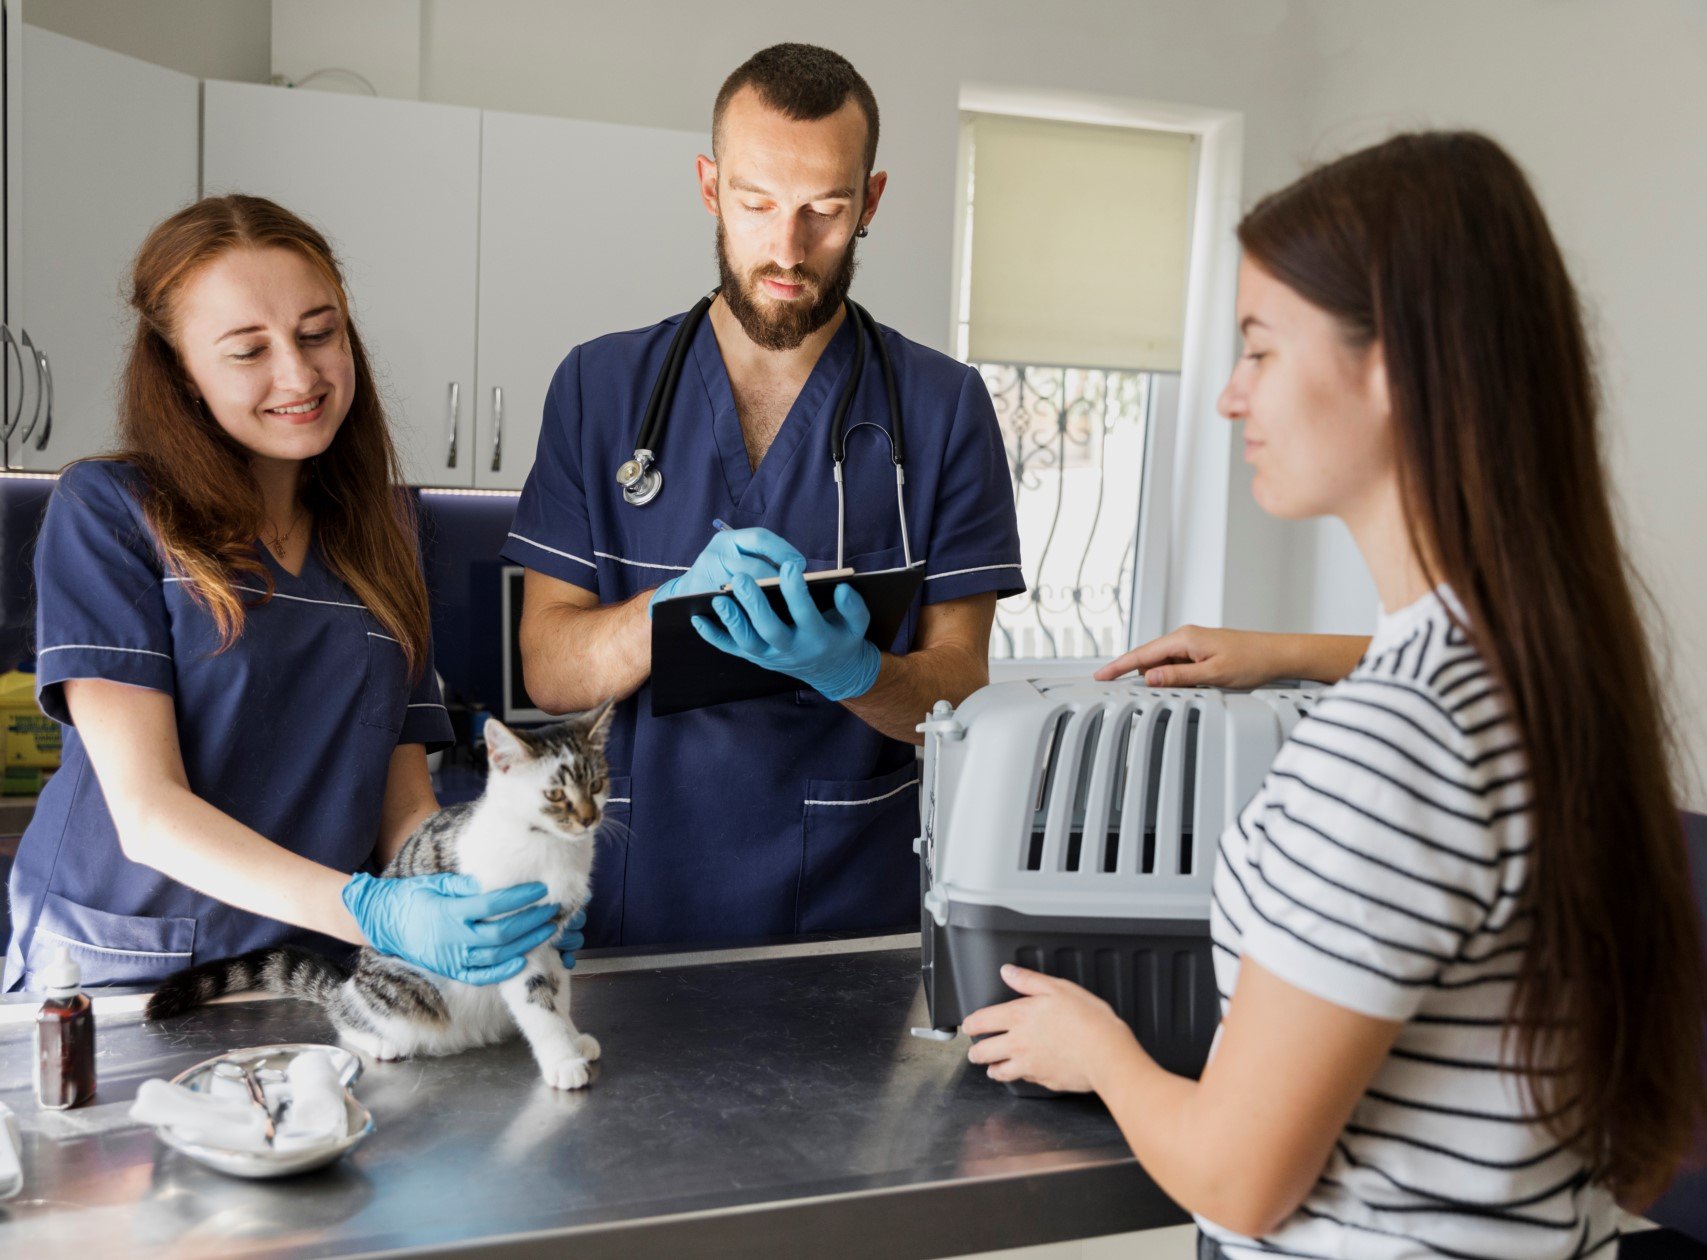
point(101, 147)
point(395, 186)
point(585, 228)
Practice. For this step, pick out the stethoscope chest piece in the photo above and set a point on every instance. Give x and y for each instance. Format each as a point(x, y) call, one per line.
point(639, 480)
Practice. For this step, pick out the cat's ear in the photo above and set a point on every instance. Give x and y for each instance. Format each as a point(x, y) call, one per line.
point(598, 721)
point(504, 750)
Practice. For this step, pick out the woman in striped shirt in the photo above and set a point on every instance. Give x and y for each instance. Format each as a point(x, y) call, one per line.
point(1460, 969)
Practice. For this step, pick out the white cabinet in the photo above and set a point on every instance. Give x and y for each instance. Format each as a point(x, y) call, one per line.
point(395, 186)
point(585, 228)
point(478, 248)
point(99, 148)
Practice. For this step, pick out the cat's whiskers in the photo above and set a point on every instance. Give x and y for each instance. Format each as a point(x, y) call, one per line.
point(615, 827)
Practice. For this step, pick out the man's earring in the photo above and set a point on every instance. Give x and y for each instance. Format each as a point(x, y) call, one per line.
point(863, 232)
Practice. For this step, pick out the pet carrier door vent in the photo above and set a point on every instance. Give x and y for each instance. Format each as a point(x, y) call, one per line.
point(1072, 827)
point(1092, 815)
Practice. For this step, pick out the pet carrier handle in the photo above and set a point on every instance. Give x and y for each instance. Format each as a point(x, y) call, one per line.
point(942, 724)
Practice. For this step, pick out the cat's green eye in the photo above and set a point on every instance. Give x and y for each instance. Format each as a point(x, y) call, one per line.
point(554, 795)
point(600, 786)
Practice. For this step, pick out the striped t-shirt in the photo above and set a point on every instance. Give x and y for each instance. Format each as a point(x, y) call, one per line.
point(1379, 867)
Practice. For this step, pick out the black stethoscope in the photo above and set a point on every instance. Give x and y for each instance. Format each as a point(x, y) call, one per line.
point(641, 479)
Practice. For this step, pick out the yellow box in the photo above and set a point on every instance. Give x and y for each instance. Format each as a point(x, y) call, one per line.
point(23, 781)
point(31, 737)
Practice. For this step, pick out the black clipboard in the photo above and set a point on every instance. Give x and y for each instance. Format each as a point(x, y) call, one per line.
point(688, 673)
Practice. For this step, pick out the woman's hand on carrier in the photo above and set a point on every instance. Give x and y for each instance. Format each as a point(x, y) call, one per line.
point(1200, 656)
point(449, 926)
point(1056, 1033)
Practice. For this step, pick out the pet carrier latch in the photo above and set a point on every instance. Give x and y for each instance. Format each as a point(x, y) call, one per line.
point(942, 722)
point(937, 905)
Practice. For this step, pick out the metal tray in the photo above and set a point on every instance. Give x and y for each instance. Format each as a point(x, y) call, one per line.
point(260, 1165)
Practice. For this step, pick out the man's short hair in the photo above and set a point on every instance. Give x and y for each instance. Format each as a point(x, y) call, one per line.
point(805, 83)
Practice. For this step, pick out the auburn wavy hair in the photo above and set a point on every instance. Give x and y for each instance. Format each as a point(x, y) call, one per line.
point(1434, 246)
point(200, 497)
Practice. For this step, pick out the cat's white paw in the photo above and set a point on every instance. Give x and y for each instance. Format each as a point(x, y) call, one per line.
point(589, 1047)
point(566, 1074)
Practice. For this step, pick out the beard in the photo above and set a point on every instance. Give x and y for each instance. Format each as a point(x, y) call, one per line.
point(777, 325)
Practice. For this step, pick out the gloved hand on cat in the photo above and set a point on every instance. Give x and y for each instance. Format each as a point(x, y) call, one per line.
point(573, 938)
point(755, 552)
point(447, 925)
point(827, 651)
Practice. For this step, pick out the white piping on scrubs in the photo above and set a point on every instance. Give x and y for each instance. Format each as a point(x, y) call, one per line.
point(643, 564)
point(870, 800)
point(982, 568)
point(108, 949)
point(567, 555)
point(100, 647)
point(300, 599)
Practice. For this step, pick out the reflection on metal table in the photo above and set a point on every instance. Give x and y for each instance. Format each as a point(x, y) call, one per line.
point(759, 1102)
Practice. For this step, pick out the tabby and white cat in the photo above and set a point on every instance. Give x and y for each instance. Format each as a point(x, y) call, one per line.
point(544, 799)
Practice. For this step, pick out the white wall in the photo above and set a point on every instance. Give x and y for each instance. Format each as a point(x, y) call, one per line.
point(1605, 105)
point(660, 62)
point(379, 40)
point(211, 39)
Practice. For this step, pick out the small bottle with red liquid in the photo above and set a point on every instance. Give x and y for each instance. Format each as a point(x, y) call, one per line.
point(65, 1038)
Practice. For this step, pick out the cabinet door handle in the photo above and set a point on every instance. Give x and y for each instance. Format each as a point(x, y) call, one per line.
point(12, 349)
point(37, 359)
point(497, 426)
point(47, 410)
point(450, 456)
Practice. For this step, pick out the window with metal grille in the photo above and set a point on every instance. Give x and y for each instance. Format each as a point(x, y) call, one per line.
point(1074, 244)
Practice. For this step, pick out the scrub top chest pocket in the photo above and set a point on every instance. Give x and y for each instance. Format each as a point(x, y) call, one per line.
point(858, 869)
point(385, 690)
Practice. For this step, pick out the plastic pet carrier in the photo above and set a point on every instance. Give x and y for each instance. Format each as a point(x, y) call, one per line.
point(1071, 828)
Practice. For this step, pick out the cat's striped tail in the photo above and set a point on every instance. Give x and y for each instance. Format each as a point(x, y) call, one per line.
point(285, 969)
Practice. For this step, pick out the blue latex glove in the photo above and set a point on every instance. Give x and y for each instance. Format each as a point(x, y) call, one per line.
point(447, 925)
point(827, 651)
point(572, 938)
point(756, 552)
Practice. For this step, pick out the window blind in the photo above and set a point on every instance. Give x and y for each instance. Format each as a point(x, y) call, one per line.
point(1079, 240)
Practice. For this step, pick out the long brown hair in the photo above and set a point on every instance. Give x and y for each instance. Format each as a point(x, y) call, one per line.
point(1434, 246)
point(200, 497)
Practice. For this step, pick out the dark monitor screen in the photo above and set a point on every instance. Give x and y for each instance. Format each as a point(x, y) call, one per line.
point(518, 705)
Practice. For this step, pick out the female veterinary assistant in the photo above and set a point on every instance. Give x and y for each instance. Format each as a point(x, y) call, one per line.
point(232, 624)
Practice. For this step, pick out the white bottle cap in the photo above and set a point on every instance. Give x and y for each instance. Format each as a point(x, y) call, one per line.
point(64, 978)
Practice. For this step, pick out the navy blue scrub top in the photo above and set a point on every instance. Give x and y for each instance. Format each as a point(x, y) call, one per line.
point(290, 731)
point(788, 814)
